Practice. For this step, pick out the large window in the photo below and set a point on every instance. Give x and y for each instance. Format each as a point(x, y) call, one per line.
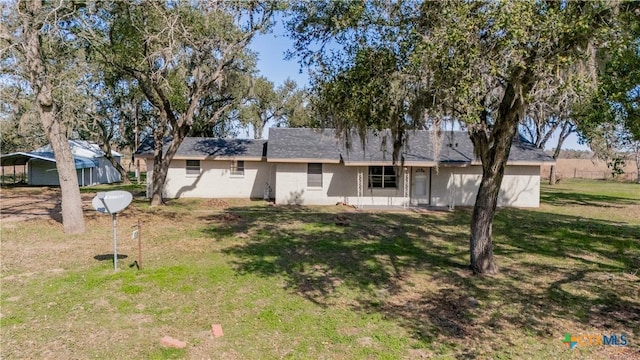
point(382, 177)
point(314, 175)
point(237, 168)
point(193, 167)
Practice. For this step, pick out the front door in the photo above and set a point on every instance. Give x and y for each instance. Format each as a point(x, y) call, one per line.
point(420, 194)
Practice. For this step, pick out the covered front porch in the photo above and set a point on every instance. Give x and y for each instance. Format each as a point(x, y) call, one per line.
point(404, 186)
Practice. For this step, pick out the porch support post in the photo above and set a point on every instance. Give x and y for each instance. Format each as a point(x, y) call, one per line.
point(360, 180)
point(452, 191)
point(406, 173)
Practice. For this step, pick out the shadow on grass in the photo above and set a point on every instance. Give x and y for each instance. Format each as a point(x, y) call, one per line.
point(109, 257)
point(560, 197)
point(373, 264)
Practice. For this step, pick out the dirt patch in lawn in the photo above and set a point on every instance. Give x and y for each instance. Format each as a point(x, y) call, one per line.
point(20, 204)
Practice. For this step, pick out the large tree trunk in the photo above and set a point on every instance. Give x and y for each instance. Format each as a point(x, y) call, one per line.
point(72, 217)
point(163, 159)
point(484, 210)
point(493, 147)
point(481, 242)
point(159, 170)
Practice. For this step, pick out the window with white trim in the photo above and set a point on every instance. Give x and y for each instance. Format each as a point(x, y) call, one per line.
point(193, 167)
point(314, 175)
point(237, 168)
point(382, 177)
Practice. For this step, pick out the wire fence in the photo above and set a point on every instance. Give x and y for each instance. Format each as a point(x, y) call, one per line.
point(603, 175)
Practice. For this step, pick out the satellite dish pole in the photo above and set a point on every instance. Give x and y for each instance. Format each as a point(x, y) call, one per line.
point(114, 217)
point(112, 203)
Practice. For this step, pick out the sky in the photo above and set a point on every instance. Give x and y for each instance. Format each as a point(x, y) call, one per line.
point(271, 49)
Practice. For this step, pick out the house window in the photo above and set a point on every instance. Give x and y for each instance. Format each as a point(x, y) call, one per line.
point(314, 175)
point(237, 168)
point(193, 167)
point(382, 177)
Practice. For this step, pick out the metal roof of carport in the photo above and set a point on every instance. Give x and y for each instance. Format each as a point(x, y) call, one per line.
point(22, 158)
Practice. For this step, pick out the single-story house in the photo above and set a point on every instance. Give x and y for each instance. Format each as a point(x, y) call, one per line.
point(314, 167)
point(92, 166)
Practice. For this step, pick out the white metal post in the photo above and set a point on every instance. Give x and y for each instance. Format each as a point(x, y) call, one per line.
point(360, 187)
point(115, 241)
point(406, 179)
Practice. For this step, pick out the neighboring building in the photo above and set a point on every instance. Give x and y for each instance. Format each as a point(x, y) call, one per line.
point(92, 166)
point(314, 167)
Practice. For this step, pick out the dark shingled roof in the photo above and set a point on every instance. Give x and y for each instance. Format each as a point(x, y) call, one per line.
point(298, 143)
point(303, 145)
point(197, 147)
point(455, 147)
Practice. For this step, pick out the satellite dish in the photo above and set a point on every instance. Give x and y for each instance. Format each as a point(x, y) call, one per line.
point(112, 202)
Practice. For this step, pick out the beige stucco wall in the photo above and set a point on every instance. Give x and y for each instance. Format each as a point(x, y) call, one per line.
point(215, 180)
point(520, 187)
point(339, 184)
point(288, 182)
point(459, 185)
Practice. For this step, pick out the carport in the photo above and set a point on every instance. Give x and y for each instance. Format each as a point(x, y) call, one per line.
point(13, 160)
point(25, 159)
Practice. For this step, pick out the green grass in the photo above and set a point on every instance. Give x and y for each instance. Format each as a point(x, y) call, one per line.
point(587, 192)
point(136, 189)
point(287, 282)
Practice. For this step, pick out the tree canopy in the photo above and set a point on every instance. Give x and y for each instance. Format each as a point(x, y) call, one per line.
point(610, 120)
point(189, 59)
point(478, 62)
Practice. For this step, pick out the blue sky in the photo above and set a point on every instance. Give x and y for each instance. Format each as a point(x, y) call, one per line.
point(271, 50)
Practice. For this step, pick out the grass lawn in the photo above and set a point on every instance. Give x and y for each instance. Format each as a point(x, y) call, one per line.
point(288, 282)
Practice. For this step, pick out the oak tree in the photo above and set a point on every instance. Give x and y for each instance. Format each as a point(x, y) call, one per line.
point(37, 49)
point(186, 57)
point(478, 62)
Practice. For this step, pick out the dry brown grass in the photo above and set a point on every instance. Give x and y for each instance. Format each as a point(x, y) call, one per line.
point(589, 169)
